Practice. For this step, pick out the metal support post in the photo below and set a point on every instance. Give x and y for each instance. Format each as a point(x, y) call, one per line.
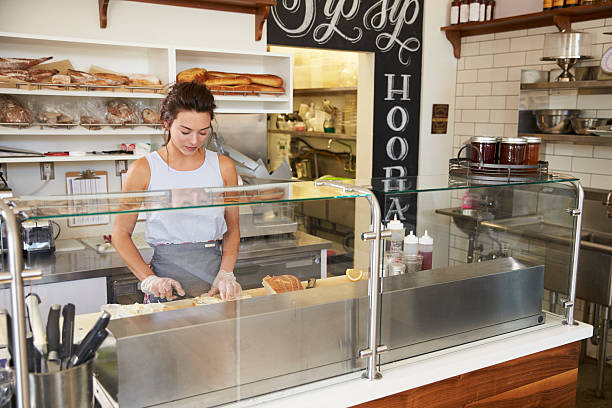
point(571, 302)
point(15, 264)
point(371, 353)
point(601, 351)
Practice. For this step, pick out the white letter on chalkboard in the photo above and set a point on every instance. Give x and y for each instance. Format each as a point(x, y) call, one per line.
point(391, 118)
point(405, 91)
point(403, 153)
point(396, 208)
point(394, 182)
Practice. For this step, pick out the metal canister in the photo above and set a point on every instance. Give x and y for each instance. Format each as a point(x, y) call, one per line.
point(70, 388)
point(396, 268)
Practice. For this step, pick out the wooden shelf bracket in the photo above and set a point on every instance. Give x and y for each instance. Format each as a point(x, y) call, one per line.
point(561, 18)
point(259, 8)
point(103, 11)
point(455, 39)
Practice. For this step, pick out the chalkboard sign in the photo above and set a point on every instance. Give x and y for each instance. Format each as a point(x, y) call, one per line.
point(392, 29)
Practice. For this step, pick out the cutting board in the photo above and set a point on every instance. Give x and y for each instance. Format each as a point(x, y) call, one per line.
point(95, 242)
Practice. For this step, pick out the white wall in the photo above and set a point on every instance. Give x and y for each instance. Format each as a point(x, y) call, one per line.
point(128, 22)
point(132, 22)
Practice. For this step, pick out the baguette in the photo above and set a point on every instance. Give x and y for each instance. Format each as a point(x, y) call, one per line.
point(228, 80)
point(246, 88)
point(112, 79)
point(260, 79)
point(144, 80)
point(265, 79)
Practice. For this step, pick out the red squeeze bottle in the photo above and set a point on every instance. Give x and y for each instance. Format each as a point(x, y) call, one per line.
point(426, 251)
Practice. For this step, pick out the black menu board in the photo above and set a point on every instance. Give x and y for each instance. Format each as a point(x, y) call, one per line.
point(392, 30)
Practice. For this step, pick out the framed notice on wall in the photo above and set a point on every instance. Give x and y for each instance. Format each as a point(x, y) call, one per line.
point(393, 32)
point(81, 184)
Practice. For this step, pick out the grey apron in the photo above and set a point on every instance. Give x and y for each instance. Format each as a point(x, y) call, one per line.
point(193, 265)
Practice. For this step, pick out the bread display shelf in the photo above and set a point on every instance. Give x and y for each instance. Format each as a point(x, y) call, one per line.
point(101, 94)
point(79, 129)
point(36, 86)
point(163, 61)
point(86, 158)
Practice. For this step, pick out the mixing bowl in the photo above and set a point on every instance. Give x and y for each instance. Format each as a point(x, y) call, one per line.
point(555, 120)
point(582, 125)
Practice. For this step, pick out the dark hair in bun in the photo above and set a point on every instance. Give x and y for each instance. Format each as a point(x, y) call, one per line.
point(186, 96)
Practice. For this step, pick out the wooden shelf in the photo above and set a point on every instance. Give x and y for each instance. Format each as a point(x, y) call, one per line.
point(86, 158)
point(562, 18)
point(324, 91)
point(572, 139)
point(320, 135)
point(260, 8)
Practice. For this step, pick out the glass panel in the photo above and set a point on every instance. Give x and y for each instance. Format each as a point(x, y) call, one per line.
point(36, 207)
point(500, 256)
point(258, 344)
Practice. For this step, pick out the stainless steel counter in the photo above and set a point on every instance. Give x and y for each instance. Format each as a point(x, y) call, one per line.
point(87, 263)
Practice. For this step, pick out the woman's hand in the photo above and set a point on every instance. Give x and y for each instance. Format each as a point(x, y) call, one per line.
point(226, 285)
point(161, 287)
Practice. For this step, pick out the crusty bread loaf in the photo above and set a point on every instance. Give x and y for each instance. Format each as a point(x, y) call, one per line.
point(11, 111)
point(282, 283)
point(112, 79)
point(60, 79)
point(228, 80)
point(143, 80)
point(192, 74)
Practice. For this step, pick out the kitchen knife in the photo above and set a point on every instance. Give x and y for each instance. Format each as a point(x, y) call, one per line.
point(32, 301)
point(67, 333)
point(40, 337)
point(33, 357)
point(88, 350)
point(99, 326)
point(53, 337)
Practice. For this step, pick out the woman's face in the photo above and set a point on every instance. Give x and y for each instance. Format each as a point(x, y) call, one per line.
point(189, 131)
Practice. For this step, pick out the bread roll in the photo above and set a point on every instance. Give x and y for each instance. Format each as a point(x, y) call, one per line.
point(39, 75)
point(282, 283)
point(149, 116)
point(119, 112)
point(192, 74)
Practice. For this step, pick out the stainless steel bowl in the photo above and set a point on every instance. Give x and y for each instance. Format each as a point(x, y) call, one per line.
point(582, 125)
point(555, 120)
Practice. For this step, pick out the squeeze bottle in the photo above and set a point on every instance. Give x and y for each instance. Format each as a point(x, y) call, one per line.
point(411, 244)
point(426, 250)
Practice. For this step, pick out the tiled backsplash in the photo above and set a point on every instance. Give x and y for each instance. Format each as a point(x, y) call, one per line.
point(488, 89)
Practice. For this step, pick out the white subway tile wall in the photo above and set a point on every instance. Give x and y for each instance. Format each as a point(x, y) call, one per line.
point(488, 89)
point(487, 103)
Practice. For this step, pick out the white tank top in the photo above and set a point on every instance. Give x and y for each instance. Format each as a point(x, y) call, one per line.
point(182, 226)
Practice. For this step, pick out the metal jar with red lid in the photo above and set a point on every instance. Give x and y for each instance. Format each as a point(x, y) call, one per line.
point(532, 156)
point(483, 147)
point(513, 151)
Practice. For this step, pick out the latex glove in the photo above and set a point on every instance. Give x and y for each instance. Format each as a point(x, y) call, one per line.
point(226, 285)
point(161, 287)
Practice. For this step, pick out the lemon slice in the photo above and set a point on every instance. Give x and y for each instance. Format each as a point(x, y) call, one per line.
point(354, 274)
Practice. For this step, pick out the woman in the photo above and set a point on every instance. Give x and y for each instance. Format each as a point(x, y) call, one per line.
point(187, 254)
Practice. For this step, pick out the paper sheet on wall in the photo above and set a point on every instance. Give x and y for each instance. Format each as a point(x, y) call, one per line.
point(76, 185)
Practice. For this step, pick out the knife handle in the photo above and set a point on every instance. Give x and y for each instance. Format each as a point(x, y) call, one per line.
point(40, 338)
point(67, 330)
point(53, 332)
point(100, 325)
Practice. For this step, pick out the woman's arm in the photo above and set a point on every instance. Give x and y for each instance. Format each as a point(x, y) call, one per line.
point(231, 238)
point(137, 179)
